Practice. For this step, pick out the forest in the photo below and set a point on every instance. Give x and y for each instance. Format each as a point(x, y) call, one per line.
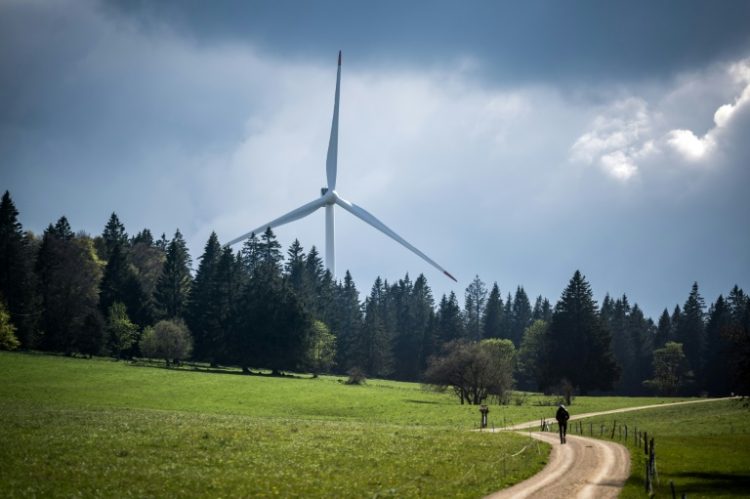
point(262, 308)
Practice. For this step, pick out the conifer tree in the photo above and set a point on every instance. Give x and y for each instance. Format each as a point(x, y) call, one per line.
point(349, 324)
point(372, 349)
point(201, 316)
point(173, 287)
point(543, 310)
point(691, 331)
point(17, 278)
point(718, 349)
point(449, 323)
point(114, 235)
point(69, 275)
point(475, 301)
point(578, 345)
point(521, 315)
point(492, 321)
point(663, 330)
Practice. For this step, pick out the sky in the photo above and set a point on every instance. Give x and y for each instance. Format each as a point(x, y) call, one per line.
point(516, 141)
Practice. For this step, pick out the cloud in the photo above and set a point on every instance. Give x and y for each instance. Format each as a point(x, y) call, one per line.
point(630, 133)
point(616, 139)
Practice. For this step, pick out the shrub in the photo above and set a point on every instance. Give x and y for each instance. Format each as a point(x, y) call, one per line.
point(169, 340)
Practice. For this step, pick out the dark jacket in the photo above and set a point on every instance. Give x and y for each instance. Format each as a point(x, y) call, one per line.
point(562, 415)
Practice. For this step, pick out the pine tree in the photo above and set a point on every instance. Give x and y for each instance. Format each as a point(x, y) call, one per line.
point(492, 321)
point(578, 345)
point(114, 235)
point(272, 328)
point(349, 324)
point(173, 287)
point(718, 349)
point(543, 310)
point(691, 332)
point(295, 273)
point(17, 278)
point(475, 300)
point(449, 323)
point(372, 349)
point(663, 330)
point(521, 315)
point(69, 274)
point(201, 315)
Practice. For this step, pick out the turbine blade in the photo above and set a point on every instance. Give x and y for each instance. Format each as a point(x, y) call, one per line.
point(369, 218)
point(333, 143)
point(293, 215)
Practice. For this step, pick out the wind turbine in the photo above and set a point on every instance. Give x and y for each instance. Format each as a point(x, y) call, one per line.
point(329, 197)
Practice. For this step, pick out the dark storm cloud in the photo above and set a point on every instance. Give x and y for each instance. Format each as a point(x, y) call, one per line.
point(514, 41)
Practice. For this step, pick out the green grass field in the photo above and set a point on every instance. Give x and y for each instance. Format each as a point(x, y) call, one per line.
point(704, 449)
point(77, 427)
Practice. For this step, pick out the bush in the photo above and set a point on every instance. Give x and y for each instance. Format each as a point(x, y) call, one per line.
point(8, 340)
point(169, 340)
point(356, 376)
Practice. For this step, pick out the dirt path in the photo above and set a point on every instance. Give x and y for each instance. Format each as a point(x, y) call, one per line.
point(583, 467)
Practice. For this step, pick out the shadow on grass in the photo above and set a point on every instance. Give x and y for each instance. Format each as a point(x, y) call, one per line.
point(197, 368)
point(412, 401)
point(707, 482)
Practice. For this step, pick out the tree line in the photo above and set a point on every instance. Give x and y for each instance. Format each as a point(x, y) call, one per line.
point(259, 307)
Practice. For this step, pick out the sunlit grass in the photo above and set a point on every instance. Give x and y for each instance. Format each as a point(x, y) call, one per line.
point(704, 449)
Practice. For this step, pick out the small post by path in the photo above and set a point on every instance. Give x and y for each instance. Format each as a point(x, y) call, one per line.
point(484, 410)
point(671, 486)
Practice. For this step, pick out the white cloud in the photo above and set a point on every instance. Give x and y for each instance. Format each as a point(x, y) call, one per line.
point(630, 133)
point(616, 139)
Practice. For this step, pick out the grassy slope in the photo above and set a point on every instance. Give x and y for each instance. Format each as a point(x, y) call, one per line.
point(111, 428)
point(103, 428)
point(703, 448)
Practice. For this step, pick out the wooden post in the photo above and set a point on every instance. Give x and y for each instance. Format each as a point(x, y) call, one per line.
point(671, 486)
point(645, 442)
point(614, 427)
point(591, 429)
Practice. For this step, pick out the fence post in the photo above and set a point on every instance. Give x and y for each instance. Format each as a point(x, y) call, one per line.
point(645, 442)
point(614, 427)
point(591, 429)
point(626, 433)
point(671, 486)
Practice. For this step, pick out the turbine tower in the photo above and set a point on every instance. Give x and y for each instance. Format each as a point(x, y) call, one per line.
point(329, 197)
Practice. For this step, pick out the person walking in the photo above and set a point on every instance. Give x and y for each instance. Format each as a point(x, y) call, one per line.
point(562, 417)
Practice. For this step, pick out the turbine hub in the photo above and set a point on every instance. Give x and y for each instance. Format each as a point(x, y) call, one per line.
point(329, 196)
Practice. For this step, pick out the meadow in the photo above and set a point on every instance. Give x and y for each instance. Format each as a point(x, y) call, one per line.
point(703, 449)
point(97, 427)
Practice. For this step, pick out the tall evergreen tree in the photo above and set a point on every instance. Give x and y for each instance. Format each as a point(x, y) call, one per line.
point(17, 279)
point(201, 317)
point(718, 349)
point(521, 317)
point(372, 351)
point(542, 310)
point(475, 299)
point(69, 274)
point(578, 344)
point(492, 321)
point(348, 326)
point(173, 287)
point(114, 235)
point(663, 330)
point(691, 331)
point(449, 323)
